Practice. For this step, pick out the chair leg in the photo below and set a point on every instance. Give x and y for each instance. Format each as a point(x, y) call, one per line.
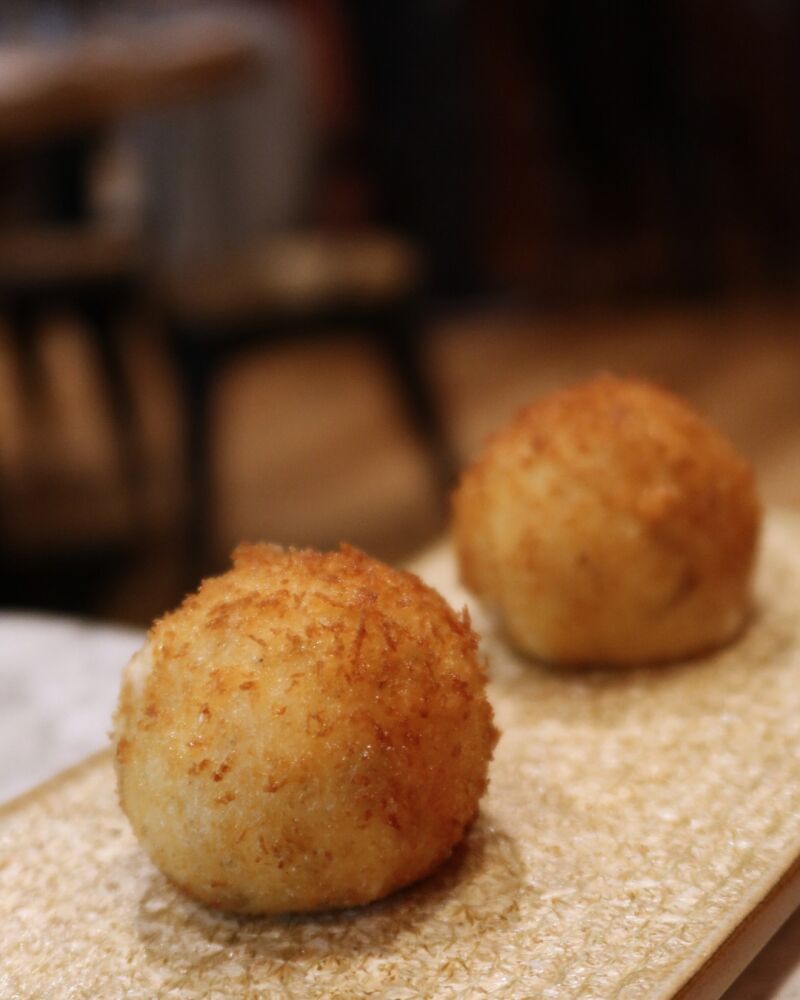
point(194, 369)
point(102, 319)
point(402, 345)
point(22, 327)
point(24, 320)
point(22, 324)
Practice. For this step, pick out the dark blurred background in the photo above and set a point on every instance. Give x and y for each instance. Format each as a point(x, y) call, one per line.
point(272, 270)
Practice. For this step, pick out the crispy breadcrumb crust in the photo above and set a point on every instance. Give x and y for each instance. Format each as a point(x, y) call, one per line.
point(609, 523)
point(306, 731)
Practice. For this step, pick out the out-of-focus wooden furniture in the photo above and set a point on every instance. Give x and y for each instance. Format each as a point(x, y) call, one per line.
point(55, 97)
point(49, 89)
point(297, 285)
point(93, 276)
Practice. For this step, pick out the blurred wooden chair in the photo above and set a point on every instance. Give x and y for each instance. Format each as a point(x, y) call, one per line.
point(302, 284)
point(87, 273)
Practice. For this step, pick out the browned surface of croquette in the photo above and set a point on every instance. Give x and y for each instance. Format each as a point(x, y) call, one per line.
point(610, 523)
point(308, 730)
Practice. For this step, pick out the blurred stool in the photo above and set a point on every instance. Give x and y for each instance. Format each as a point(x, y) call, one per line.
point(93, 276)
point(289, 286)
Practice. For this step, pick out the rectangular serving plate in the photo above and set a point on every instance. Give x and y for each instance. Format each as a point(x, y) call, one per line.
point(640, 839)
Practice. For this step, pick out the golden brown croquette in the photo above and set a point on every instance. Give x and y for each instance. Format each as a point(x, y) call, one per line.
point(306, 731)
point(610, 524)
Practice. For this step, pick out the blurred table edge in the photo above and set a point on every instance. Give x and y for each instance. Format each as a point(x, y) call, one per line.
point(73, 86)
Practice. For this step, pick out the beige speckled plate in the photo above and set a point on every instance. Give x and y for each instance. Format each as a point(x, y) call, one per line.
point(640, 839)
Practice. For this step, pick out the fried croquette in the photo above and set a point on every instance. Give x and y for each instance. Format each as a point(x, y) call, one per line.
point(307, 731)
point(609, 524)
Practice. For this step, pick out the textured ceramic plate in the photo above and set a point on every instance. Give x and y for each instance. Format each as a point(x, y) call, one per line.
point(639, 840)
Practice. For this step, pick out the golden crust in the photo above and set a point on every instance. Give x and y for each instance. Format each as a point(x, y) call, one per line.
point(610, 524)
point(311, 730)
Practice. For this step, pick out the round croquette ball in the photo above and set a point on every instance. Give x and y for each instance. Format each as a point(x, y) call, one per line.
point(610, 524)
point(306, 731)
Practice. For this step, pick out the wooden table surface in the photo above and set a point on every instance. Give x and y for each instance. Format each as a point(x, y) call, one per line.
point(90, 79)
